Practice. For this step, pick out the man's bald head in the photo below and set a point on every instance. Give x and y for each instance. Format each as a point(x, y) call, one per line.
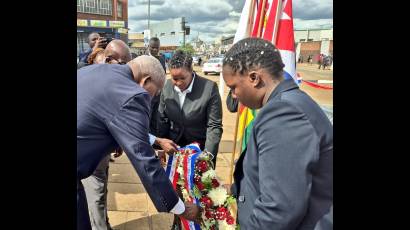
point(117, 52)
point(148, 73)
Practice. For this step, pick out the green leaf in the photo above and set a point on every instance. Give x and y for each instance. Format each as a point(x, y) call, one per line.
point(196, 192)
point(230, 200)
point(181, 182)
point(207, 181)
point(208, 186)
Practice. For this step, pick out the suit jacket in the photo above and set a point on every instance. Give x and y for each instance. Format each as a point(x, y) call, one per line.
point(154, 118)
point(83, 56)
point(284, 179)
point(112, 111)
point(200, 118)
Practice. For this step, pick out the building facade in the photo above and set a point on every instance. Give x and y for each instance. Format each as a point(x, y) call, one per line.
point(313, 42)
point(313, 35)
point(109, 18)
point(136, 43)
point(169, 32)
point(226, 43)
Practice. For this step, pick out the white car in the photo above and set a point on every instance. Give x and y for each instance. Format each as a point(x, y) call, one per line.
point(213, 65)
point(195, 60)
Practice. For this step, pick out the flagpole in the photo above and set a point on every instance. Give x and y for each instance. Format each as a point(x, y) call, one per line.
point(277, 18)
point(250, 25)
point(234, 147)
point(251, 16)
point(262, 17)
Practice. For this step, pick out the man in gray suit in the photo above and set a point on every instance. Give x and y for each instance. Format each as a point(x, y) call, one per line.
point(284, 179)
point(113, 111)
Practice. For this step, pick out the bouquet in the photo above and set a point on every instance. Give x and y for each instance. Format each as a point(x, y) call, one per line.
point(191, 171)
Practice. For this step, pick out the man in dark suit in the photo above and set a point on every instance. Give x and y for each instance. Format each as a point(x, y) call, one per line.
point(113, 111)
point(95, 186)
point(153, 50)
point(284, 179)
point(190, 107)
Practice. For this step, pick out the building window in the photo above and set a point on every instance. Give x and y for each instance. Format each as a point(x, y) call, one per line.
point(172, 33)
point(80, 6)
point(102, 7)
point(119, 9)
point(310, 40)
point(90, 3)
point(105, 7)
point(302, 40)
point(162, 34)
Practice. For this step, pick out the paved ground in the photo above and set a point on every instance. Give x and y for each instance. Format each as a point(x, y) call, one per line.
point(128, 203)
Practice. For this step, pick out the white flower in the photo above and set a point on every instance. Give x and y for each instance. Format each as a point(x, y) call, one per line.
point(180, 170)
point(222, 225)
point(185, 194)
point(210, 173)
point(218, 196)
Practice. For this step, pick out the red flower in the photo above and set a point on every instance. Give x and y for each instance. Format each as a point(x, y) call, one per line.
point(221, 213)
point(215, 183)
point(202, 166)
point(200, 185)
point(197, 179)
point(212, 227)
point(207, 201)
point(210, 214)
point(230, 220)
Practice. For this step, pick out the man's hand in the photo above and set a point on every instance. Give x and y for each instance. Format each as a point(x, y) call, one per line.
point(161, 156)
point(100, 43)
point(118, 152)
point(192, 212)
point(167, 145)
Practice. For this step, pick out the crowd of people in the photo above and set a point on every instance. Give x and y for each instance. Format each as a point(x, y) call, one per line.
point(283, 180)
point(321, 59)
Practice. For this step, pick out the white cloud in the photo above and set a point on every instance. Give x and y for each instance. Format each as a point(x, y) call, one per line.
point(313, 24)
point(216, 18)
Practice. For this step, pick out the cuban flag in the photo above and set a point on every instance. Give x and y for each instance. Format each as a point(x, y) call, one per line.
point(279, 30)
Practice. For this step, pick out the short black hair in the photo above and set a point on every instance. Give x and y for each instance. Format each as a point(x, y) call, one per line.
point(89, 35)
point(154, 39)
point(181, 59)
point(254, 53)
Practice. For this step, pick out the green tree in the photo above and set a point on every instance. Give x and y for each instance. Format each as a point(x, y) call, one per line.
point(188, 48)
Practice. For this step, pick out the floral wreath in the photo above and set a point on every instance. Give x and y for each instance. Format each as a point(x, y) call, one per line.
point(191, 171)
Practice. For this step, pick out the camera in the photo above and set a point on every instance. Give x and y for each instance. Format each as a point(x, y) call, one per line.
point(107, 40)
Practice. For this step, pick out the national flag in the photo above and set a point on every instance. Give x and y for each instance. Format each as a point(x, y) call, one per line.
point(279, 30)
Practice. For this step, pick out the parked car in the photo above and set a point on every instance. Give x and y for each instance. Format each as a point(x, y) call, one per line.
point(195, 60)
point(213, 65)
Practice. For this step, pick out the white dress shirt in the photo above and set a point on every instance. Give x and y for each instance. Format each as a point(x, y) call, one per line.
point(182, 94)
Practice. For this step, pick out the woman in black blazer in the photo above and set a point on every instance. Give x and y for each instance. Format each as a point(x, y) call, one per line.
point(190, 107)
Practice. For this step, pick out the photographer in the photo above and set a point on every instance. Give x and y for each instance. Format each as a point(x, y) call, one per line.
point(95, 41)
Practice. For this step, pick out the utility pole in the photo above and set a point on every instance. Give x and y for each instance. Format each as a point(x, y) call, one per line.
point(149, 13)
point(183, 30)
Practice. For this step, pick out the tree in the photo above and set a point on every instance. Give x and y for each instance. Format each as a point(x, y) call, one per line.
point(188, 48)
